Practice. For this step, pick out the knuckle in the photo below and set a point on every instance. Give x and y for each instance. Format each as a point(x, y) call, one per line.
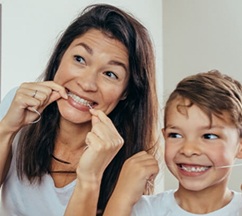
point(24, 84)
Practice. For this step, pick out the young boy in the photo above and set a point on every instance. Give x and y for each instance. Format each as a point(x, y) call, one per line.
point(203, 137)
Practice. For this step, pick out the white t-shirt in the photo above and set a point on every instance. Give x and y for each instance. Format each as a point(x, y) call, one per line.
point(5, 103)
point(164, 204)
point(20, 198)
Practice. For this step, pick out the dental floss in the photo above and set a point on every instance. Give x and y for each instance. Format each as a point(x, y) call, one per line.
point(149, 185)
point(38, 113)
point(227, 166)
point(90, 107)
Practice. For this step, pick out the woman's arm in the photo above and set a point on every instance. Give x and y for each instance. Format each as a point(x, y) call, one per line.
point(7, 137)
point(103, 143)
point(136, 175)
point(84, 199)
point(17, 112)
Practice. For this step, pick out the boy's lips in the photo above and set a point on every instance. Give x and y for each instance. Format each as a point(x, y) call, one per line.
point(193, 168)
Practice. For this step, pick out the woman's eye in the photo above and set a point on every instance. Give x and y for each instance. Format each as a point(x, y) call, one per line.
point(79, 59)
point(174, 135)
point(210, 136)
point(111, 74)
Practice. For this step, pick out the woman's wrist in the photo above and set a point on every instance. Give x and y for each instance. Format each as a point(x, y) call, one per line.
point(88, 184)
point(88, 180)
point(6, 133)
point(84, 199)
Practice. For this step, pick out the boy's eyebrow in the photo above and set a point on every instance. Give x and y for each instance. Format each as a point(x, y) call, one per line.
point(203, 127)
point(112, 62)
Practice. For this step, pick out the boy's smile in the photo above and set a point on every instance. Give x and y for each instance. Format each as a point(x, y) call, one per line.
point(194, 146)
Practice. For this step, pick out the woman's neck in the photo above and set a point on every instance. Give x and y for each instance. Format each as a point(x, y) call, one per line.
point(72, 136)
point(70, 141)
point(68, 149)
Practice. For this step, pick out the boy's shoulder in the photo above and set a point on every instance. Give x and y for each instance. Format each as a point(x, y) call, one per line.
point(152, 204)
point(236, 202)
point(165, 204)
point(165, 196)
point(159, 200)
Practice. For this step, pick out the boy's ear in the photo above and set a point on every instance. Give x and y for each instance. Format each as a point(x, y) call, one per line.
point(239, 153)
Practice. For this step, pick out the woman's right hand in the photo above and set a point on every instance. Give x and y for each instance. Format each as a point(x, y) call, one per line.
point(29, 97)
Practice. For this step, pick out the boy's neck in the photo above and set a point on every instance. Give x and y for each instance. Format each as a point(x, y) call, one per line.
point(203, 202)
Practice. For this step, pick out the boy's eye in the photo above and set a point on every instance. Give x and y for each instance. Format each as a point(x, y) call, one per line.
point(174, 135)
point(210, 136)
point(111, 74)
point(79, 59)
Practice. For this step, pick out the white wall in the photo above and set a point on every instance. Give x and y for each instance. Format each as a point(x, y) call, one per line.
point(31, 28)
point(199, 36)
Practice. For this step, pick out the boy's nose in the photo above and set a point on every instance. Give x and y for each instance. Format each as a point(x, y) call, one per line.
point(190, 148)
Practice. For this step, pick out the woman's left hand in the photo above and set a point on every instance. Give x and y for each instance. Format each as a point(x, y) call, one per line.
point(137, 173)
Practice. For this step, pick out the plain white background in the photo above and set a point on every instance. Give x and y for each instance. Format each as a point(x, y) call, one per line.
point(31, 28)
point(200, 35)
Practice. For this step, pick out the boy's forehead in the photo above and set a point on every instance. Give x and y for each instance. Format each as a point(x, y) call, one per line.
point(182, 106)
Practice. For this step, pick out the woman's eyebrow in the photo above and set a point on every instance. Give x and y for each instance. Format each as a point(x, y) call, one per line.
point(118, 63)
point(112, 62)
point(86, 47)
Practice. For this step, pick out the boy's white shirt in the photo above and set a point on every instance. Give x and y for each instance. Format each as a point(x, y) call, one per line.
point(164, 204)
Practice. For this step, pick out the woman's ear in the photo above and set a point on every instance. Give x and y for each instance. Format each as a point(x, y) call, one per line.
point(163, 132)
point(239, 153)
point(124, 96)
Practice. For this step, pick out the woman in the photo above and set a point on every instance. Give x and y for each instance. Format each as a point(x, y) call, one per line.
point(71, 133)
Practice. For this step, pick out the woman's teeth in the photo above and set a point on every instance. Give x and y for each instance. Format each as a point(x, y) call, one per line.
point(80, 100)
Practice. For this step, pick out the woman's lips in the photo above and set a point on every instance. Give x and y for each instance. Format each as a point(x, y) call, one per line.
point(81, 101)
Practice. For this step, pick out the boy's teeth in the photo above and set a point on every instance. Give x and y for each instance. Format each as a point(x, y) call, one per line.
point(194, 168)
point(79, 100)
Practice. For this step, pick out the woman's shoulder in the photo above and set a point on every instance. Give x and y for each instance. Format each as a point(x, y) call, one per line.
point(6, 102)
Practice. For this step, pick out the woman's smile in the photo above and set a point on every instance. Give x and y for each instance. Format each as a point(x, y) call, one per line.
point(94, 74)
point(80, 100)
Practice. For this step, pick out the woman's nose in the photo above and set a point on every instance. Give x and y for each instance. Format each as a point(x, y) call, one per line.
point(88, 82)
point(190, 148)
